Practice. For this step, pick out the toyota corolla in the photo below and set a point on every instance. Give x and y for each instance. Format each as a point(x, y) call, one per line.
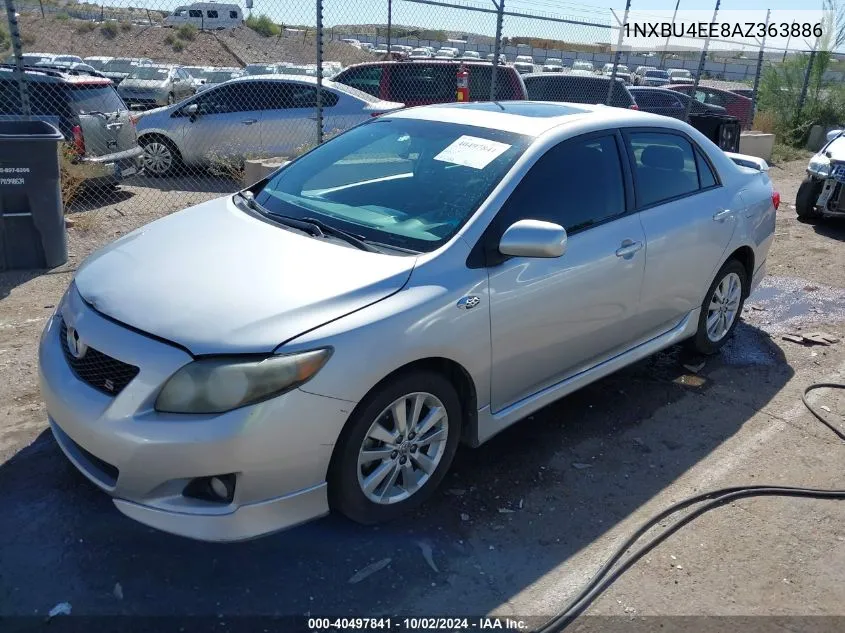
point(325, 339)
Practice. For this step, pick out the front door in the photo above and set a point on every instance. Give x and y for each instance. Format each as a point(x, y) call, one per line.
point(552, 318)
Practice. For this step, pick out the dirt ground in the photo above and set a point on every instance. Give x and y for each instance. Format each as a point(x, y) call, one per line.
point(522, 522)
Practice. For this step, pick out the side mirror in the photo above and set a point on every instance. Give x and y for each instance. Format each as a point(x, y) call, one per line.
point(833, 134)
point(533, 238)
point(192, 110)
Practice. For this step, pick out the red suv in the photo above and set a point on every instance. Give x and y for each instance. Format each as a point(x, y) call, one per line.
point(426, 81)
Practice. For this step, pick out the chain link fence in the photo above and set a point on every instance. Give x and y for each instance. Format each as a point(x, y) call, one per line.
point(170, 105)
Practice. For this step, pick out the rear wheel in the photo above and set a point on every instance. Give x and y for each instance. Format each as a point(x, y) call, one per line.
point(805, 201)
point(721, 308)
point(396, 448)
point(161, 158)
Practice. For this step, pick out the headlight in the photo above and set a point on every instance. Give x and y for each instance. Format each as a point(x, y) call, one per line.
point(819, 165)
point(216, 385)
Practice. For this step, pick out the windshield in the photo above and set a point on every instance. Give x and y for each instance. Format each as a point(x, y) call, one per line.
point(96, 64)
point(260, 70)
point(524, 58)
point(95, 98)
point(120, 66)
point(398, 182)
point(680, 73)
point(552, 61)
point(582, 66)
point(148, 73)
point(657, 73)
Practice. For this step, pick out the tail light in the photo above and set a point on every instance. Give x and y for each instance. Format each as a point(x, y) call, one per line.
point(633, 106)
point(776, 199)
point(78, 140)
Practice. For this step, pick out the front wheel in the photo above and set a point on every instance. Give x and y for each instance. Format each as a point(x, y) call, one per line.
point(721, 308)
point(396, 448)
point(805, 200)
point(161, 158)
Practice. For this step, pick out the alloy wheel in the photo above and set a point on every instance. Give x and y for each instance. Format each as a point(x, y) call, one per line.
point(724, 306)
point(402, 448)
point(158, 157)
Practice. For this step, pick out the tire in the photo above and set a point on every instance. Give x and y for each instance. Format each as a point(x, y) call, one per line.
point(708, 341)
point(399, 482)
point(161, 157)
point(805, 200)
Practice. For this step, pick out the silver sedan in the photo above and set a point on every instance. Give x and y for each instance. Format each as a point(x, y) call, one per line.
point(249, 117)
point(325, 339)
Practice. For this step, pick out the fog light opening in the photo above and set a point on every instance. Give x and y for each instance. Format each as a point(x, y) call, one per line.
point(216, 489)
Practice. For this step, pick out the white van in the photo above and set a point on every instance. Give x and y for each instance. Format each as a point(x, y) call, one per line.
point(209, 16)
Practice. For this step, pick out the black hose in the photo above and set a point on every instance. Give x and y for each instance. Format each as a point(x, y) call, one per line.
point(607, 575)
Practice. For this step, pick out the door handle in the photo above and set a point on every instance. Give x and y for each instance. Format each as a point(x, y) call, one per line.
point(628, 248)
point(721, 216)
point(249, 121)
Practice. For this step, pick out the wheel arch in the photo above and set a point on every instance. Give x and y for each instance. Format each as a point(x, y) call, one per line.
point(745, 256)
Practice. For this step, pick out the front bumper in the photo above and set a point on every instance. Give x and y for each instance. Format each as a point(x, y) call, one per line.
point(113, 168)
point(831, 198)
point(279, 450)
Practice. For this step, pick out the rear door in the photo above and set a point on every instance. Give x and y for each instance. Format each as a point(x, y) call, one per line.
point(688, 218)
point(289, 115)
point(103, 117)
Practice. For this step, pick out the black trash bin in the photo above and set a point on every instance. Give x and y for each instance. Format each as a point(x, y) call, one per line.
point(32, 224)
point(722, 129)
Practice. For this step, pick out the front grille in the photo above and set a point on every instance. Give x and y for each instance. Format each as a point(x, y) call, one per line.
point(838, 172)
point(102, 372)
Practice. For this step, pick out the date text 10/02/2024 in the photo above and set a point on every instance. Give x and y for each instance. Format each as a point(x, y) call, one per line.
point(484, 623)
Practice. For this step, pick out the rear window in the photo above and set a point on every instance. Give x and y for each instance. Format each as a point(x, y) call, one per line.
point(657, 73)
point(364, 78)
point(120, 66)
point(150, 73)
point(95, 98)
point(589, 90)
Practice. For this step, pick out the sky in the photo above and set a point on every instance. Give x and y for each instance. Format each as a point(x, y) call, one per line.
point(408, 13)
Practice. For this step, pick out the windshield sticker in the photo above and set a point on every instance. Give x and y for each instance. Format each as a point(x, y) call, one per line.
point(471, 151)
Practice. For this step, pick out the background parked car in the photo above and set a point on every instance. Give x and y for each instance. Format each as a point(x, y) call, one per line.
point(30, 59)
point(97, 62)
point(669, 103)
point(622, 72)
point(421, 53)
point(651, 77)
point(472, 55)
point(249, 116)
point(151, 86)
point(524, 64)
point(217, 76)
point(553, 65)
point(582, 67)
point(120, 68)
point(90, 115)
point(734, 104)
point(571, 88)
point(196, 73)
point(502, 58)
point(74, 59)
point(260, 69)
point(639, 72)
point(680, 76)
point(420, 82)
point(71, 67)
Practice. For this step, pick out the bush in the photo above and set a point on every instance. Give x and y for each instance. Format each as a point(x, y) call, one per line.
point(5, 40)
point(125, 27)
point(86, 27)
point(169, 39)
point(63, 17)
point(187, 32)
point(263, 25)
point(110, 29)
point(178, 46)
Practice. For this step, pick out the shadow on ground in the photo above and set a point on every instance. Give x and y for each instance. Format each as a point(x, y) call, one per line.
point(580, 466)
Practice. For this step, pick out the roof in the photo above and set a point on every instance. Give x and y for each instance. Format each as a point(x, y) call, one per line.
point(567, 75)
point(534, 118)
point(51, 73)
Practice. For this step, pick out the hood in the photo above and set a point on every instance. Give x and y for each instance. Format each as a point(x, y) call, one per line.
point(217, 280)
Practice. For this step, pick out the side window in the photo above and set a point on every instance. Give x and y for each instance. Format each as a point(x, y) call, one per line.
point(10, 99)
point(233, 15)
point(226, 99)
point(706, 176)
point(278, 95)
point(664, 166)
point(211, 15)
point(194, 13)
point(366, 79)
point(588, 186)
point(536, 89)
point(700, 96)
point(421, 82)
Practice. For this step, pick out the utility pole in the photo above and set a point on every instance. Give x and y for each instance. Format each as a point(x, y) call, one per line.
point(759, 69)
point(497, 46)
point(389, 25)
point(701, 62)
point(674, 15)
point(618, 52)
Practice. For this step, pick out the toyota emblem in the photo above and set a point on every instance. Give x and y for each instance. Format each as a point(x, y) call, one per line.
point(75, 345)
